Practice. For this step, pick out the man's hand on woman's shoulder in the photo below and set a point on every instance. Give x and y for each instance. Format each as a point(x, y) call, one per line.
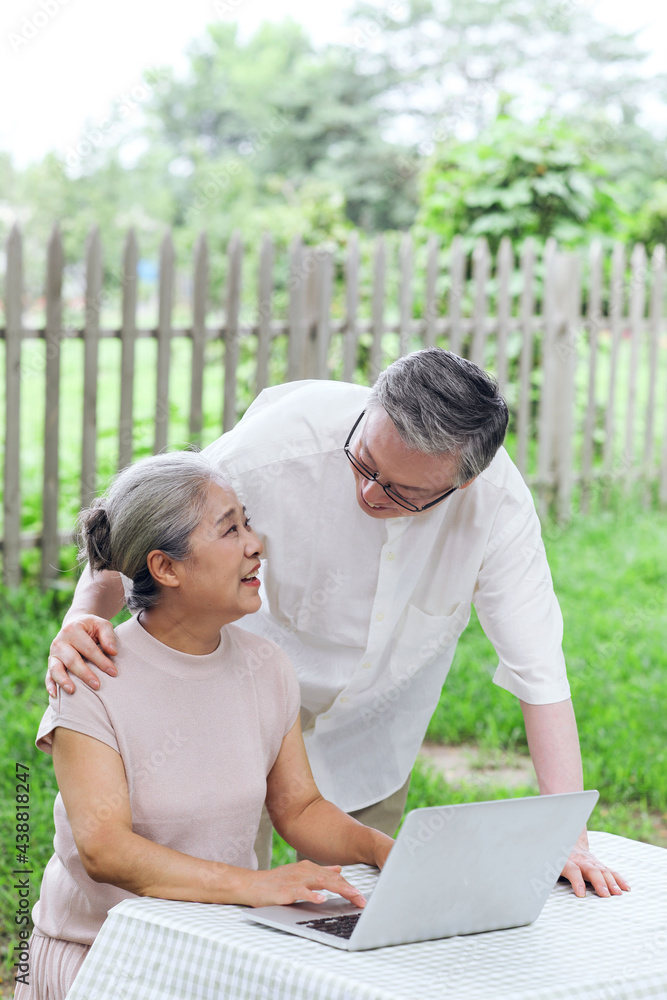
point(86, 636)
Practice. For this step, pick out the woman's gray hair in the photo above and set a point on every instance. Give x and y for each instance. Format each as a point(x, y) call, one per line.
point(442, 404)
point(154, 504)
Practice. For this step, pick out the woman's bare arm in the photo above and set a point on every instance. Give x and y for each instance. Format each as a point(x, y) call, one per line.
point(310, 823)
point(94, 789)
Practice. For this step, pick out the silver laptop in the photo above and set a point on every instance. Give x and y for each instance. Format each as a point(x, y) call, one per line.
point(457, 869)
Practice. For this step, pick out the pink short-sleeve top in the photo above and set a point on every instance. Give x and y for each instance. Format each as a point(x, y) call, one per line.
point(198, 736)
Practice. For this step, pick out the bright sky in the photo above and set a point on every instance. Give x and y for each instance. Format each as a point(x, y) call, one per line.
point(66, 62)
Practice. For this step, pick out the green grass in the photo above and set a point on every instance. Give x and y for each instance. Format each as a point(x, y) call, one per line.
point(610, 574)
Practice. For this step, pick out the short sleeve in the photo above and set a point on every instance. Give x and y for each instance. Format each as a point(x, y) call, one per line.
point(292, 693)
point(519, 611)
point(83, 711)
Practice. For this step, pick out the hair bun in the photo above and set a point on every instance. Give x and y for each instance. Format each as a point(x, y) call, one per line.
point(96, 535)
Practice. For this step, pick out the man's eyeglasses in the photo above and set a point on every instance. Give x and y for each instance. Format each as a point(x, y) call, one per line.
point(373, 477)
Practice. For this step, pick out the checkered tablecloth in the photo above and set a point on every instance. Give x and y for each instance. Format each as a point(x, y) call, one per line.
point(601, 949)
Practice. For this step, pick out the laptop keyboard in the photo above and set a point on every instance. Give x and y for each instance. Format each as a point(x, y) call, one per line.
point(340, 926)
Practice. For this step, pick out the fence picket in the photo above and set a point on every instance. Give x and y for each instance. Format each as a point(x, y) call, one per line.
point(616, 304)
point(526, 361)
point(406, 263)
point(128, 335)
point(655, 331)
point(637, 300)
point(504, 273)
point(14, 330)
point(594, 323)
point(296, 347)
point(379, 268)
point(166, 304)
point(481, 263)
point(325, 274)
point(264, 311)
point(235, 258)
point(91, 366)
point(457, 264)
point(351, 334)
point(199, 307)
point(311, 268)
point(52, 333)
point(431, 303)
point(662, 483)
point(545, 435)
point(568, 298)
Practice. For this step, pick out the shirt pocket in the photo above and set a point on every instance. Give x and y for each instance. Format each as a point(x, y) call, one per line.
point(424, 648)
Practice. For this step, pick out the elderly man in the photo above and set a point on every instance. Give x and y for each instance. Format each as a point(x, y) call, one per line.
point(385, 513)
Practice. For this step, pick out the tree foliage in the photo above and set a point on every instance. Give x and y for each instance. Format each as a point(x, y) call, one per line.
point(520, 180)
point(409, 119)
point(287, 111)
point(457, 59)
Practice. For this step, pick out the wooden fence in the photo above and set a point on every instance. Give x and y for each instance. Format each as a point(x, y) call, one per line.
point(575, 341)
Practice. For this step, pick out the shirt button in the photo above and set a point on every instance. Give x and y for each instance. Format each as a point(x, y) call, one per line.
point(379, 617)
point(343, 699)
point(324, 717)
point(367, 665)
point(390, 556)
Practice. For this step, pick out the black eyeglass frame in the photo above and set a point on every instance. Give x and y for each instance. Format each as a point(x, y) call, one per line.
point(373, 477)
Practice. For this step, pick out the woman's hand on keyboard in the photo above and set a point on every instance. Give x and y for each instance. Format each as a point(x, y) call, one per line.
point(302, 880)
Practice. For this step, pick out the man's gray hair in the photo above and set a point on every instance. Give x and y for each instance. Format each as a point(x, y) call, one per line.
point(154, 504)
point(442, 404)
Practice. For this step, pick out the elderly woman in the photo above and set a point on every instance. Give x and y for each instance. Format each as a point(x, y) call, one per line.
point(163, 772)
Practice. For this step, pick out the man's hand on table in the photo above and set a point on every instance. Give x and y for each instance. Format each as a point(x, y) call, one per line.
point(86, 636)
point(582, 867)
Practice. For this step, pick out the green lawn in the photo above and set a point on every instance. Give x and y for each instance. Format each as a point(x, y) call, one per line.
point(610, 573)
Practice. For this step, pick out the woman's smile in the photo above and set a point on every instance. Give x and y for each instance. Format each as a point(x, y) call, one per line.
point(250, 580)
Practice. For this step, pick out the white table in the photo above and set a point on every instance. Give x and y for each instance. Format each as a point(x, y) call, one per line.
point(601, 949)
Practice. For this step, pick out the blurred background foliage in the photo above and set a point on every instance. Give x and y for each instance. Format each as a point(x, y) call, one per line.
point(493, 117)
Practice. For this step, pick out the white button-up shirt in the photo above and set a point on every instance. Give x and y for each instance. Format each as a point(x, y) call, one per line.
point(370, 610)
